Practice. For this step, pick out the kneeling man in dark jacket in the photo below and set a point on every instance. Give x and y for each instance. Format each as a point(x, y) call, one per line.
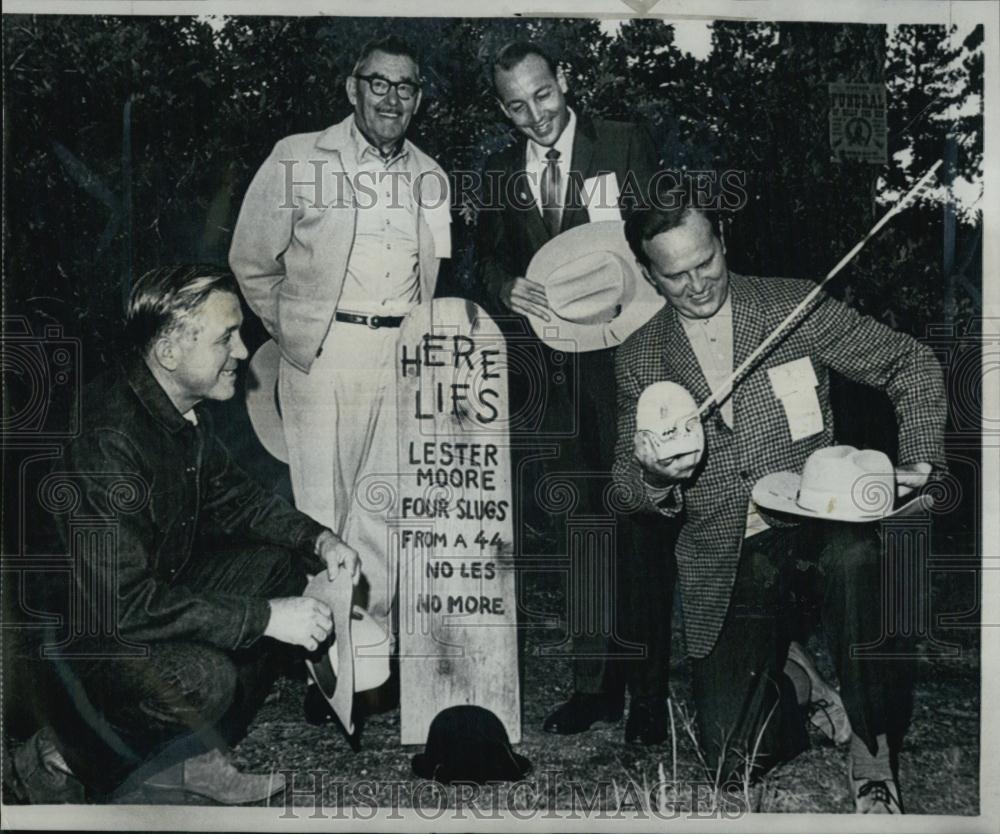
point(194, 586)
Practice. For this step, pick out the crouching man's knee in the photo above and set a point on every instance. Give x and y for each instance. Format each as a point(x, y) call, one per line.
point(198, 685)
point(851, 550)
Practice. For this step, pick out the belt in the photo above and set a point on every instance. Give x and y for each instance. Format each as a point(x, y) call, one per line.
point(374, 322)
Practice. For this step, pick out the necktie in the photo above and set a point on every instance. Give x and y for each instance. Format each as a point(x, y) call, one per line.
point(551, 193)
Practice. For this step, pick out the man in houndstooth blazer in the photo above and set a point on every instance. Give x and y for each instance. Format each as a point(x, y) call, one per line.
point(736, 567)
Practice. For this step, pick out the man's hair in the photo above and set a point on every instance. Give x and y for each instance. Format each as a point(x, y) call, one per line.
point(390, 45)
point(511, 54)
point(164, 298)
point(668, 212)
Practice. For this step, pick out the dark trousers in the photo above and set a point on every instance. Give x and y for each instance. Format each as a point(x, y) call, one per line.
point(563, 411)
point(563, 425)
point(116, 715)
point(647, 606)
point(746, 706)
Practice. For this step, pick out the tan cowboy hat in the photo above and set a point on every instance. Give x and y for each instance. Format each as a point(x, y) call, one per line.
point(838, 483)
point(597, 293)
point(370, 646)
point(262, 399)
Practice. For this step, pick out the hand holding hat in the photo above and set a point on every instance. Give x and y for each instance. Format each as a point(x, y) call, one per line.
point(596, 294)
point(299, 621)
point(842, 483)
point(912, 476)
point(338, 556)
point(526, 297)
point(669, 439)
point(358, 657)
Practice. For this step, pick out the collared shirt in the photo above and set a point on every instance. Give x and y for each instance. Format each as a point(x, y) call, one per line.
point(383, 268)
point(535, 162)
point(711, 341)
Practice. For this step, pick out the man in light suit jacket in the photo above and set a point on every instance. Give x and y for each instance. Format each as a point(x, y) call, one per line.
point(734, 563)
point(540, 185)
point(340, 235)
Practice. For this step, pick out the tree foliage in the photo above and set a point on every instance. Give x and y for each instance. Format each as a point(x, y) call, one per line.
point(129, 141)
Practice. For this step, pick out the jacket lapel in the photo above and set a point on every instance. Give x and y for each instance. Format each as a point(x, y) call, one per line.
point(584, 144)
point(679, 361)
point(747, 334)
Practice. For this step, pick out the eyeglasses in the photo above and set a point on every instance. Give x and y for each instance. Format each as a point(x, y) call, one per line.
point(381, 86)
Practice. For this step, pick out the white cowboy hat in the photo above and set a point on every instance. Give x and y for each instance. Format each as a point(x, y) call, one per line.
point(597, 293)
point(669, 413)
point(838, 483)
point(370, 652)
point(262, 399)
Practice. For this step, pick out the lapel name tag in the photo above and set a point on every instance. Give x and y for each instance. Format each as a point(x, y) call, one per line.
point(794, 384)
point(600, 195)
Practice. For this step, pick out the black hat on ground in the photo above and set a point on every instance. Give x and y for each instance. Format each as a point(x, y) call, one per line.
point(469, 744)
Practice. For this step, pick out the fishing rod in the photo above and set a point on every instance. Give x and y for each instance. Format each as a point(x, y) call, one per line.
point(815, 291)
point(668, 411)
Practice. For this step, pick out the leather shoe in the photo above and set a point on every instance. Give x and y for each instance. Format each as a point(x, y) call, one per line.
point(826, 709)
point(875, 796)
point(580, 713)
point(647, 721)
point(214, 776)
point(40, 773)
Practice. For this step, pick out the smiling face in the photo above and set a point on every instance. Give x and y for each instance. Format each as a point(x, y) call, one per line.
point(206, 350)
point(688, 267)
point(383, 119)
point(534, 99)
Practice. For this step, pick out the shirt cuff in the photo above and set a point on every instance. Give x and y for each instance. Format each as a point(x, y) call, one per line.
point(311, 531)
point(666, 500)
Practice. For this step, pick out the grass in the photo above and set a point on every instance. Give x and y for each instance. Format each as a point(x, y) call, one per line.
point(595, 774)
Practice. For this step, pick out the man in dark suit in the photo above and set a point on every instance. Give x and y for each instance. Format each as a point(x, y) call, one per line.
point(736, 565)
point(566, 170)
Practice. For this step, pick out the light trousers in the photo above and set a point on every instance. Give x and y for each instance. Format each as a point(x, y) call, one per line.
point(340, 428)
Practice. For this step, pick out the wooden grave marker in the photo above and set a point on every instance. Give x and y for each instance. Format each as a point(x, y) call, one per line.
point(452, 525)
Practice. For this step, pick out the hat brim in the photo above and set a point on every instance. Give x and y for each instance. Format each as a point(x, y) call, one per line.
point(424, 767)
point(643, 302)
point(262, 399)
point(370, 672)
point(778, 492)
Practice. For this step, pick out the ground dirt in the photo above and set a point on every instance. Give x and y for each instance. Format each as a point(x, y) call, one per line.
point(596, 770)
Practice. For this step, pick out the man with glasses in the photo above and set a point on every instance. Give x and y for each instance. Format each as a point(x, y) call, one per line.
point(340, 235)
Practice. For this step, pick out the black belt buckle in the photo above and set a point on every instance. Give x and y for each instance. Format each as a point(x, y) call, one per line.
point(374, 322)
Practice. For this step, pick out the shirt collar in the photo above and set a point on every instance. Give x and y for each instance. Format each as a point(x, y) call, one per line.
point(363, 148)
point(564, 144)
point(152, 395)
point(722, 317)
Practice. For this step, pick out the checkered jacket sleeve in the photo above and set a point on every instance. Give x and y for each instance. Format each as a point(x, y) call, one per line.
point(832, 336)
point(869, 352)
point(635, 363)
